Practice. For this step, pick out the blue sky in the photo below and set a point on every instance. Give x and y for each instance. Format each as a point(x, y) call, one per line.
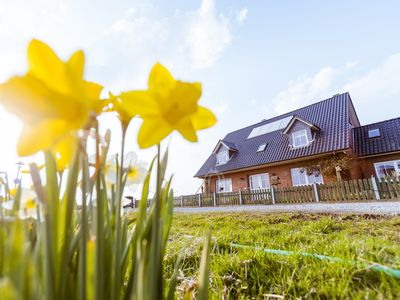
point(255, 59)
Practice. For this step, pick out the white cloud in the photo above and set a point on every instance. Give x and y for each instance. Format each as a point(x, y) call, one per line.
point(143, 35)
point(241, 15)
point(377, 93)
point(208, 35)
point(374, 93)
point(306, 89)
point(220, 108)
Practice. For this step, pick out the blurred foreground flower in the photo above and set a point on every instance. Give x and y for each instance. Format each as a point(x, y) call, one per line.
point(53, 100)
point(84, 247)
point(167, 105)
point(27, 204)
point(134, 169)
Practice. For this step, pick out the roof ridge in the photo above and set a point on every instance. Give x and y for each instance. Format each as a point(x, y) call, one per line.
point(287, 113)
point(379, 122)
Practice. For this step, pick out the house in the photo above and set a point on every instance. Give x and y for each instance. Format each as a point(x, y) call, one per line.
point(319, 143)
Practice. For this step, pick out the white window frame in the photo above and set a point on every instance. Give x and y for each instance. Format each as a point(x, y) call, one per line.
point(260, 178)
point(226, 183)
point(395, 163)
point(373, 133)
point(297, 172)
point(222, 157)
point(298, 135)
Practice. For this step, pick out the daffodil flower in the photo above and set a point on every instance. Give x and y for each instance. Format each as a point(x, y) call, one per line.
point(167, 105)
point(134, 169)
point(53, 101)
point(27, 206)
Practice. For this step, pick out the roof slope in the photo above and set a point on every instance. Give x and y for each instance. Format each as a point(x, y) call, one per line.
point(330, 115)
point(388, 141)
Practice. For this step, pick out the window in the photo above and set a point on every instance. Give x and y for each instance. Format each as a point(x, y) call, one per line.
point(300, 138)
point(262, 147)
point(222, 157)
point(300, 176)
point(387, 169)
point(224, 185)
point(259, 181)
point(270, 127)
point(374, 133)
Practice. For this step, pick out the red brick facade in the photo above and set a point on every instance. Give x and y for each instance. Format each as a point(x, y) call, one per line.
point(363, 168)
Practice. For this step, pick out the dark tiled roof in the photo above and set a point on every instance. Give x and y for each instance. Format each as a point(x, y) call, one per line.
point(388, 141)
point(330, 115)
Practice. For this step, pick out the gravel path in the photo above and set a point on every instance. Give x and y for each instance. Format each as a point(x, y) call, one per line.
point(384, 207)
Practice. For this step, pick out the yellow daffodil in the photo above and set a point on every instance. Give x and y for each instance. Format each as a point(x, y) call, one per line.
point(167, 105)
point(53, 101)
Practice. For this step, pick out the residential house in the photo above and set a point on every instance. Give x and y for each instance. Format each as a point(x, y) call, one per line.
point(319, 143)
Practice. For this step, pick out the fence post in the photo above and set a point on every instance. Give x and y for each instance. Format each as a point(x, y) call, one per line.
point(316, 192)
point(181, 201)
point(273, 195)
point(214, 199)
point(199, 200)
point(375, 187)
point(240, 197)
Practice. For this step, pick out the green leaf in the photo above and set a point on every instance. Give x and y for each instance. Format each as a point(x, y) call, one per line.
point(173, 281)
point(204, 270)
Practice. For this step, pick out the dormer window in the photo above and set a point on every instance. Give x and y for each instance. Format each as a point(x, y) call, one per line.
point(222, 156)
point(224, 151)
point(300, 138)
point(374, 133)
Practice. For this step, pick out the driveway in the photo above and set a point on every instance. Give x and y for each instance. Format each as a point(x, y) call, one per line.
point(383, 207)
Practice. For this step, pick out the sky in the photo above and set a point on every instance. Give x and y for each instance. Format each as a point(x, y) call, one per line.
point(255, 59)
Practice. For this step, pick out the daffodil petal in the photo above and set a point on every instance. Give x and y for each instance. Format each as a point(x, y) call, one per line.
point(152, 132)
point(64, 151)
point(30, 99)
point(203, 118)
point(185, 128)
point(160, 80)
point(41, 136)
point(93, 91)
point(76, 64)
point(134, 103)
point(46, 66)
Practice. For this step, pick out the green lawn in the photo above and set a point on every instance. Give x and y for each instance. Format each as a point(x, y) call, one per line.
point(251, 273)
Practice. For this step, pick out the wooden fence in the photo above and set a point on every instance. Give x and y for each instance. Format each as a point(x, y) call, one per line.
point(343, 191)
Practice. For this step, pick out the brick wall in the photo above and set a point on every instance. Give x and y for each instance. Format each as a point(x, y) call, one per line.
point(363, 168)
point(240, 180)
point(366, 165)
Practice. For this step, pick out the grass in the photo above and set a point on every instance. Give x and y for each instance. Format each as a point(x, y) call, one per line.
point(251, 273)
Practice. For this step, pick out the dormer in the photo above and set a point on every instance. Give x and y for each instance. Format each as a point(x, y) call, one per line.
point(301, 133)
point(224, 151)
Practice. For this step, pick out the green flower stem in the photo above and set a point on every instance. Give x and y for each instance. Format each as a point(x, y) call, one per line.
point(84, 225)
point(155, 252)
point(99, 250)
point(116, 275)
